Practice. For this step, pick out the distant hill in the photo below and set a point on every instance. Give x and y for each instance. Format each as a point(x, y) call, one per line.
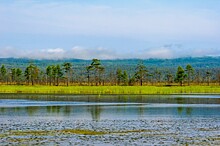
point(165, 66)
point(196, 62)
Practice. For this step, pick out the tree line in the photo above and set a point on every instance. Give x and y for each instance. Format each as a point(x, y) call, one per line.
point(95, 74)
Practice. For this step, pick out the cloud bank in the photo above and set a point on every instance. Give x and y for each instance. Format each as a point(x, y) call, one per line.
point(77, 52)
point(59, 53)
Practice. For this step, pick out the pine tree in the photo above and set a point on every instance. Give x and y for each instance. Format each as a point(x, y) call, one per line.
point(180, 75)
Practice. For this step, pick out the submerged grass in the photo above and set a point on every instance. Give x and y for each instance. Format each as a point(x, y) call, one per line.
point(53, 132)
point(39, 137)
point(66, 131)
point(110, 89)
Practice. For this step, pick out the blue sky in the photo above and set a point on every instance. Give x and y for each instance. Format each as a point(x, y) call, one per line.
point(109, 29)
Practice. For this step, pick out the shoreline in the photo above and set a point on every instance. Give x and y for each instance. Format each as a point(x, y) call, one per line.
point(59, 94)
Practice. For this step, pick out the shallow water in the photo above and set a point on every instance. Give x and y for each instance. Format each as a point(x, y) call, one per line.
point(30, 119)
point(94, 107)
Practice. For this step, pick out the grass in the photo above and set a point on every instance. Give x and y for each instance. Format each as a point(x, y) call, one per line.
point(110, 89)
point(66, 131)
point(41, 137)
point(53, 132)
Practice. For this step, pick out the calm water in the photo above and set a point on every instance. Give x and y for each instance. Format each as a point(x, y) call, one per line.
point(94, 107)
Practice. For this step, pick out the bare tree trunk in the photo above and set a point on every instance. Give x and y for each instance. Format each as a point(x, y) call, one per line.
point(88, 80)
point(188, 79)
point(67, 82)
point(57, 81)
point(50, 81)
point(32, 82)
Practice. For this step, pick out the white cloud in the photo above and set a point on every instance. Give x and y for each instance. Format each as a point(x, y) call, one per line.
point(89, 53)
point(207, 52)
point(159, 53)
point(10, 52)
point(78, 52)
point(56, 50)
point(59, 53)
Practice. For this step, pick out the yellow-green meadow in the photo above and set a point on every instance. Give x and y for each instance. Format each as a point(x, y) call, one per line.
point(110, 89)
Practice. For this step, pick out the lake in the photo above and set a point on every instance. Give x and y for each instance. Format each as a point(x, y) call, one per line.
point(94, 109)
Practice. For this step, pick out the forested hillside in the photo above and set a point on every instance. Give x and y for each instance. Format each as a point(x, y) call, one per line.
point(110, 72)
point(199, 62)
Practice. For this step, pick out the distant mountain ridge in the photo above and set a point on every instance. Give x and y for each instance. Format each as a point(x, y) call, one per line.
point(196, 62)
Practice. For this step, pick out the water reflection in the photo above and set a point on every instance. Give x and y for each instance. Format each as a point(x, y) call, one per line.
point(189, 110)
point(67, 110)
point(179, 99)
point(180, 110)
point(31, 110)
point(97, 112)
point(96, 108)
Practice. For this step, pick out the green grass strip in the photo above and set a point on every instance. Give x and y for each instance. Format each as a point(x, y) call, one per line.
point(110, 89)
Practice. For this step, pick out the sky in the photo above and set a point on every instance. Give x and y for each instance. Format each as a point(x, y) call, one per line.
point(109, 29)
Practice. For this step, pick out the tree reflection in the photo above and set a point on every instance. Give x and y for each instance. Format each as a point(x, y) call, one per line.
point(189, 111)
point(67, 110)
point(31, 110)
point(141, 111)
point(2, 110)
point(180, 110)
point(180, 100)
point(53, 109)
point(96, 112)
